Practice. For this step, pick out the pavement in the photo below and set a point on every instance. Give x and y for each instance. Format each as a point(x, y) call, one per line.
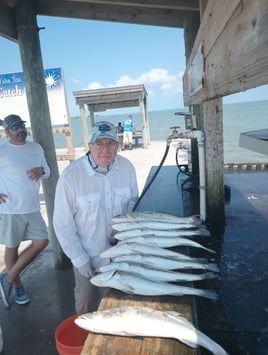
point(238, 321)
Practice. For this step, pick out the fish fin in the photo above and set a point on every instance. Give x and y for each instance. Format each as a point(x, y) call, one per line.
point(128, 289)
point(179, 317)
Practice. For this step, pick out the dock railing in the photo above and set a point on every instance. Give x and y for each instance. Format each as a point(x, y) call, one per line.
point(246, 166)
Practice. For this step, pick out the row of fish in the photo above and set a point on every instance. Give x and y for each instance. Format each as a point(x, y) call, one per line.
point(142, 265)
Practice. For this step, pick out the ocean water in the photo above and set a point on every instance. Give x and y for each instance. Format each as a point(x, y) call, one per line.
point(237, 118)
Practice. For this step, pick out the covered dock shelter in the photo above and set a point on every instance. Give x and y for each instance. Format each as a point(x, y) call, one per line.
point(226, 51)
point(111, 98)
point(255, 140)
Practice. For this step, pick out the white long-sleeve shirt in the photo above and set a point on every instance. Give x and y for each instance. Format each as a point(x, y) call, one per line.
point(85, 202)
point(23, 193)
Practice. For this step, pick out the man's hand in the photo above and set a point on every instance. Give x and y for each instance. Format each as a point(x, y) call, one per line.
point(35, 173)
point(86, 270)
point(3, 198)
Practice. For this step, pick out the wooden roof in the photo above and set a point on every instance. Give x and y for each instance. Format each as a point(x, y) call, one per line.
point(110, 98)
point(167, 13)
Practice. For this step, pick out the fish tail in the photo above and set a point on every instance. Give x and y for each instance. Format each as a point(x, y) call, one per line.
point(213, 267)
point(210, 294)
point(204, 232)
point(209, 250)
point(209, 344)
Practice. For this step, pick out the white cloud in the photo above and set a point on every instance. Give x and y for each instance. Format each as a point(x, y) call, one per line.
point(94, 86)
point(157, 81)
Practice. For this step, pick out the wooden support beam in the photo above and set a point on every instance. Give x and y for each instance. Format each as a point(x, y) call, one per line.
point(230, 51)
point(213, 127)
point(7, 24)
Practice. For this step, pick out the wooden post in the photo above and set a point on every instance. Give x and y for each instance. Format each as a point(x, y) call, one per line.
point(69, 139)
point(84, 124)
point(38, 108)
point(213, 127)
point(190, 30)
point(147, 121)
point(91, 114)
point(144, 134)
point(191, 27)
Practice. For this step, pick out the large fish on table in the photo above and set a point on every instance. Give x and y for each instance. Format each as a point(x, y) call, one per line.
point(120, 227)
point(189, 233)
point(165, 242)
point(157, 275)
point(129, 283)
point(156, 216)
point(147, 322)
point(128, 248)
point(160, 263)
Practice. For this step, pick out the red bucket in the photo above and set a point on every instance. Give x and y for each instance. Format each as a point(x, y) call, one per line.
point(69, 337)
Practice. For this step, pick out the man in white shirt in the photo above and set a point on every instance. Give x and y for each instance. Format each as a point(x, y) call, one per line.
point(89, 192)
point(22, 165)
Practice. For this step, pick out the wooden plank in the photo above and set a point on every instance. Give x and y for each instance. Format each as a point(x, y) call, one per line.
point(156, 15)
point(7, 23)
point(234, 36)
point(191, 5)
point(98, 344)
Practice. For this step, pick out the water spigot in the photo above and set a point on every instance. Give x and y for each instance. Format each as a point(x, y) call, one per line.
point(175, 134)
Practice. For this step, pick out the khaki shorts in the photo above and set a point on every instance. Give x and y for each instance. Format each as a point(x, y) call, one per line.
point(87, 296)
point(127, 137)
point(15, 228)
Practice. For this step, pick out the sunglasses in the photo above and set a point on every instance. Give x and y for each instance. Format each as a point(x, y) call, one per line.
point(16, 126)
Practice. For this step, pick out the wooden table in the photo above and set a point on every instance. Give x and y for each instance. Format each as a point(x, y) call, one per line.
point(163, 195)
point(98, 344)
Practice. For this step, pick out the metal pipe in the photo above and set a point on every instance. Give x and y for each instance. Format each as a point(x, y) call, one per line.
point(202, 176)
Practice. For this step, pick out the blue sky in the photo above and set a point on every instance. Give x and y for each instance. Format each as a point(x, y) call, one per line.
point(96, 54)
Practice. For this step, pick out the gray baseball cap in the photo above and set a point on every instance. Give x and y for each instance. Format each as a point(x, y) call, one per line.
point(10, 120)
point(103, 129)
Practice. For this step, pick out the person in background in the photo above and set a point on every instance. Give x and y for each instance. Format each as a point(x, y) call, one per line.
point(120, 130)
point(89, 192)
point(129, 129)
point(22, 166)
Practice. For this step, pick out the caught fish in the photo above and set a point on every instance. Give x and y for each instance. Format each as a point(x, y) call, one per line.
point(120, 227)
point(128, 248)
point(160, 263)
point(156, 216)
point(145, 321)
point(129, 283)
point(161, 233)
point(165, 242)
point(157, 275)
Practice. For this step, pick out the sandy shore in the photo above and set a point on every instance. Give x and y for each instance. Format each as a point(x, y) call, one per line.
point(142, 159)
